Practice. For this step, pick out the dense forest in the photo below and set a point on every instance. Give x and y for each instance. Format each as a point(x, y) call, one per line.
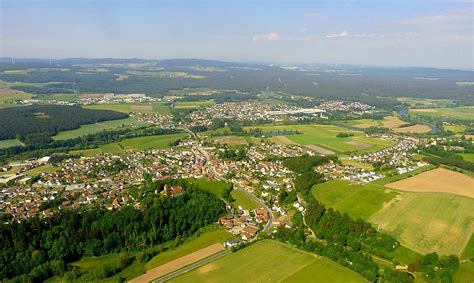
point(37, 122)
point(370, 85)
point(38, 248)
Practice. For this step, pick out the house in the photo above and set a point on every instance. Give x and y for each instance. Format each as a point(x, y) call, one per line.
point(249, 232)
point(231, 243)
point(171, 191)
point(278, 222)
point(227, 221)
point(261, 214)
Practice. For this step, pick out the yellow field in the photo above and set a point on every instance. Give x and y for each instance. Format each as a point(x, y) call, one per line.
point(438, 180)
point(392, 122)
point(230, 140)
point(418, 128)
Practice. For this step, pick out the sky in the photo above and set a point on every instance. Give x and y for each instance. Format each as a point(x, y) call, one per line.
point(429, 33)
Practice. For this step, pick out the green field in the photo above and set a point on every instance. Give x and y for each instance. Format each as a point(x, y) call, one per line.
point(97, 128)
point(468, 156)
point(161, 108)
point(469, 249)
point(457, 129)
point(113, 148)
point(325, 136)
point(10, 143)
point(42, 169)
point(204, 240)
point(360, 201)
point(465, 273)
point(127, 108)
point(243, 200)
point(213, 186)
point(363, 123)
point(270, 261)
point(8, 97)
point(145, 143)
point(124, 108)
point(193, 104)
point(87, 152)
point(464, 113)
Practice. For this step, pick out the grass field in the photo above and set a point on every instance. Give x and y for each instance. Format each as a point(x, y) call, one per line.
point(457, 129)
point(438, 180)
point(48, 168)
point(10, 143)
point(465, 113)
point(204, 240)
point(127, 108)
point(113, 148)
point(363, 123)
point(326, 136)
point(87, 152)
point(213, 186)
point(469, 249)
point(8, 96)
point(357, 164)
point(465, 156)
point(193, 104)
point(427, 222)
point(392, 122)
point(243, 200)
point(97, 128)
point(230, 140)
point(418, 129)
point(360, 201)
point(145, 143)
point(465, 273)
point(270, 261)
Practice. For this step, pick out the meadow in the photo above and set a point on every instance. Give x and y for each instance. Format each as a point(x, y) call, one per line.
point(97, 128)
point(270, 261)
point(48, 168)
point(213, 186)
point(325, 136)
point(230, 140)
point(243, 200)
point(160, 108)
point(457, 129)
point(417, 129)
point(363, 123)
point(10, 143)
point(145, 143)
point(464, 113)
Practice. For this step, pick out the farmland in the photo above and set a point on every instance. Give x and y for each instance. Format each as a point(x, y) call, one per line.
point(243, 200)
point(97, 127)
point(363, 123)
point(271, 261)
point(392, 122)
point(463, 113)
point(42, 169)
point(215, 187)
point(230, 140)
point(437, 180)
point(193, 104)
point(127, 108)
point(418, 128)
point(145, 143)
point(325, 136)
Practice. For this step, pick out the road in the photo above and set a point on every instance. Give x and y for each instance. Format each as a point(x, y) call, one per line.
point(192, 266)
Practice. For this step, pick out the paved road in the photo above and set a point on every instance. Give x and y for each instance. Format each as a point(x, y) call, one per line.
point(193, 266)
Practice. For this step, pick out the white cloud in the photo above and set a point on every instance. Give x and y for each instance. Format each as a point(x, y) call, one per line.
point(272, 36)
point(345, 34)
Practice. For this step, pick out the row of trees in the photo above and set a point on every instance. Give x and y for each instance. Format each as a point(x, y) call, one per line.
point(38, 248)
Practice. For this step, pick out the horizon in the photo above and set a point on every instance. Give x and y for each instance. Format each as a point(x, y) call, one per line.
point(434, 34)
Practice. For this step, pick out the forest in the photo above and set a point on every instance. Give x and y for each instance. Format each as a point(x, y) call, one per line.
point(34, 123)
point(38, 248)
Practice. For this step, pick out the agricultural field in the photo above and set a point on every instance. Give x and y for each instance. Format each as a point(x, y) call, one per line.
point(464, 113)
point(393, 122)
point(457, 129)
point(243, 200)
point(10, 143)
point(270, 261)
point(363, 123)
point(469, 249)
point(325, 136)
point(230, 140)
point(97, 128)
point(42, 169)
point(193, 104)
point(357, 164)
point(464, 273)
point(422, 221)
point(426, 103)
point(145, 143)
point(8, 96)
point(438, 180)
point(468, 156)
point(160, 108)
point(213, 186)
point(417, 129)
point(360, 201)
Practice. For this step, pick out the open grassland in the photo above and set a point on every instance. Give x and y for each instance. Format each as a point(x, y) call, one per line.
point(360, 201)
point(465, 273)
point(437, 180)
point(363, 123)
point(427, 222)
point(145, 143)
point(48, 168)
point(97, 128)
point(469, 249)
point(392, 122)
point(457, 129)
point(87, 152)
point(270, 261)
point(464, 113)
point(113, 148)
point(8, 96)
point(357, 164)
point(325, 136)
point(426, 102)
point(465, 156)
point(10, 143)
point(193, 104)
point(243, 200)
point(160, 108)
point(213, 186)
point(204, 240)
point(417, 129)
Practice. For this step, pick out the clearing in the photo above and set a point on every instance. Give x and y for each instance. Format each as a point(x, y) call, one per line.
point(271, 261)
point(438, 180)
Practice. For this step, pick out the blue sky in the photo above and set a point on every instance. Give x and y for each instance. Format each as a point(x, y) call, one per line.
point(395, 33)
